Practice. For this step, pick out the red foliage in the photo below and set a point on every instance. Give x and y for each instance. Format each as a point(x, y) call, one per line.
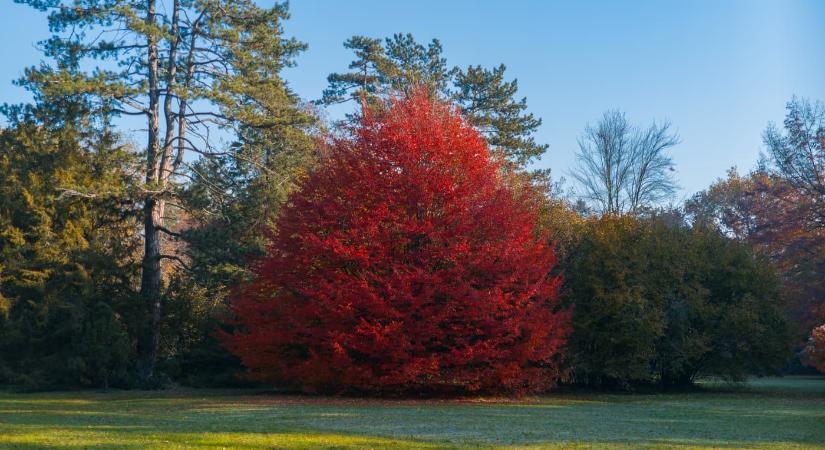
point(815, 351)
point(405, 264)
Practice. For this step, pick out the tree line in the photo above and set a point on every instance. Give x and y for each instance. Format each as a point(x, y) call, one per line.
point(142, 258)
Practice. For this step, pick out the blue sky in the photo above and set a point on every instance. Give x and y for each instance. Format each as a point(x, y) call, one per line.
point(719, 70)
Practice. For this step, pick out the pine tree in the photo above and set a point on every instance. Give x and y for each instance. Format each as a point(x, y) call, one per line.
point(194, 70)
point(368, 76)
point(489, 102)
point(487, 99)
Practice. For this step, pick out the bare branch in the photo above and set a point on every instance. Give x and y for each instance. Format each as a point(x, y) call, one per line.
point(167, 231)
point(178, 260)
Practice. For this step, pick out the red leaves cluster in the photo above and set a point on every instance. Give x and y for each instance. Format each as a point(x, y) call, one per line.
point(404, 264)
point(815, 351)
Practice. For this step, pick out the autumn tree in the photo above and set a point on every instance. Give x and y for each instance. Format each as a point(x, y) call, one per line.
point(796, 165)
point(486, 98)
point(195, 71)
point(623, 168)
point(777, 209)
point(405, 263)
point(765, 212)
point(797, 156)
point(815, 350)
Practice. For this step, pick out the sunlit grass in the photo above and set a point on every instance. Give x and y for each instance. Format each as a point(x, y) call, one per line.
point(768, 413)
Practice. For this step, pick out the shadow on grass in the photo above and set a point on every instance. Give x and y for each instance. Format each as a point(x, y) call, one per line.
point(753, 416)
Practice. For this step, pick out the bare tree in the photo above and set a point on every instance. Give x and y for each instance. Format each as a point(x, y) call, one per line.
point(798, 155)
point(651, 169)
point(623, 168)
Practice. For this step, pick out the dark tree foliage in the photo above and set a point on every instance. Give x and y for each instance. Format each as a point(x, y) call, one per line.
point(658, 302)
point(193, 71)
point(231, 205)
point(763, 211)
point(487, 100)
point(67, 263)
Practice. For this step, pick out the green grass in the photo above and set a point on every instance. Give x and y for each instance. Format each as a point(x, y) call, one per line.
point(767, 413)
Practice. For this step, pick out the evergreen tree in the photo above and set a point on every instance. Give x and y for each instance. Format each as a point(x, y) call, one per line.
point(194, 70)
point(67, 263)
point(368, 76)
point(230, 206)
point(487, 99)
point(490, 103)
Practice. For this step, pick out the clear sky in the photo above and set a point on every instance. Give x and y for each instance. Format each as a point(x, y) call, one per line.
point(720, 70)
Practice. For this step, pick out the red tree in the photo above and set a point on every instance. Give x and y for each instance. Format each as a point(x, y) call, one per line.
point(405, 263)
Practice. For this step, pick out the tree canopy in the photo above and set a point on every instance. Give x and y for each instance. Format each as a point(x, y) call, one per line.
point(405, 263)
point(192, 69)
point(487, 100)
point(67, 264)
point(171, 212)
point(659, 302)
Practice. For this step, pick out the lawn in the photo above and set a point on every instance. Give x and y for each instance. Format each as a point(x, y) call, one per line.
point(766, 413)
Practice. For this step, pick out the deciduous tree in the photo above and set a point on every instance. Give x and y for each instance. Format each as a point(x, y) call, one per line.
point(762, 210)
point(623, 168)
point(405, 263)
point(797, 155)
point(815, 350)
point(657, 302)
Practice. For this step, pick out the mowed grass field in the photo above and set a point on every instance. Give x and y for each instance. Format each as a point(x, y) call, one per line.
point(766, 413)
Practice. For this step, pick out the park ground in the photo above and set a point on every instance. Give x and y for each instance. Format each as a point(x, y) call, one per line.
point(765, 413)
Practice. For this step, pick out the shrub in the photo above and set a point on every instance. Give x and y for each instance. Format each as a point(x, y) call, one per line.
point(658, 302)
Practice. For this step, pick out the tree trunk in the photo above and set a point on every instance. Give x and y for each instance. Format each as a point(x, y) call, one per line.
point(150, 282)
point(150, 289)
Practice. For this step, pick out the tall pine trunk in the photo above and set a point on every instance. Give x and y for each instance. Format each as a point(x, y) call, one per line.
point(234, 53)
point(150, 289)
point(150, 283)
